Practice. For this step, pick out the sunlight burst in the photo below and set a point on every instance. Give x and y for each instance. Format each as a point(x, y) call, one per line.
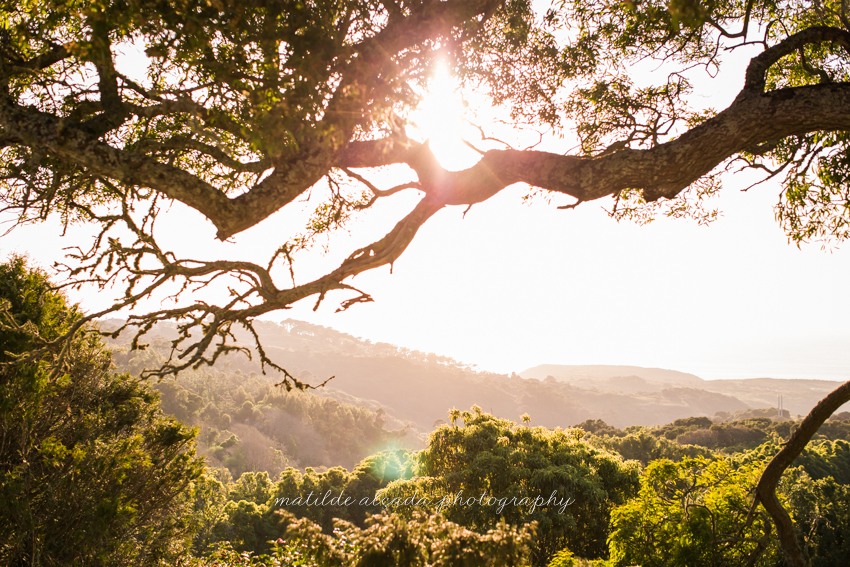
point(440, 119)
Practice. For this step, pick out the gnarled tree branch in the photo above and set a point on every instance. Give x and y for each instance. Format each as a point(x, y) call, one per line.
point(324, 131)
point(766, 488)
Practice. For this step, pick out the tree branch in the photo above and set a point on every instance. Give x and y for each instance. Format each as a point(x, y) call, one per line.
point(46, 132)
point(375, 153)
point(184, 105)
point(222, 157)
point(114, 111)
point(40, 62)
point(756, 70)
point(754, 119)
point(662, 171)
point(766, 488)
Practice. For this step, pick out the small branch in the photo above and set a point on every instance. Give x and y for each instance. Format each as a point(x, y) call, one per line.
point(381, 192)
point(362, 298)
point(469, 145)
point(40, 62)
point(138, 88)
point(571, 206)
point(485, 138)
point(185, 105)
point(184, 143)
point(815, 72)
point(744, 28)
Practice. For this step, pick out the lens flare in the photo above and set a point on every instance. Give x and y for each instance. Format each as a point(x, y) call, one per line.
point(440, 120)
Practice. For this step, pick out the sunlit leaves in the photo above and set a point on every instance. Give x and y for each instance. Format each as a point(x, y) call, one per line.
point(519, 63)
point(815, 205)
point(613, 109)
point(334, 213)
point(819, 506)
point(611, 114)
point(419, 541)
point(501, 459)
point(693, 513)
point(694, 203)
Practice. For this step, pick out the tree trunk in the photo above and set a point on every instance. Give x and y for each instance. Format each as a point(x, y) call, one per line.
point(766, 488)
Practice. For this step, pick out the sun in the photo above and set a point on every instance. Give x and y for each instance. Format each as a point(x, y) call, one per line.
point(440, 120)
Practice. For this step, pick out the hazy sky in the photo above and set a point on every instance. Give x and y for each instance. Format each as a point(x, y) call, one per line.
point(512, 285)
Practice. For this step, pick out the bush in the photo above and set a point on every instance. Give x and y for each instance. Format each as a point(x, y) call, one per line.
point(422, 540)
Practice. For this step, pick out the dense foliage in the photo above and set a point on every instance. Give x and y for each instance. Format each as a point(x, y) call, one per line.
point(387, 541)
point(821, 511)
point(245, 513)
point(641, 445)
point(700, 436)
point(490, 470)
point(689, 512)
point(91, 472)
point(693, 513)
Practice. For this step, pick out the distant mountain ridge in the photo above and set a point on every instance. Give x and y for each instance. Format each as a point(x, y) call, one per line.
point(574, 373)
point(419, 388)
point(798, 396)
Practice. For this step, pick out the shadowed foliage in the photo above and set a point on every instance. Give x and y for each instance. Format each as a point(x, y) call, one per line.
point(91, 472)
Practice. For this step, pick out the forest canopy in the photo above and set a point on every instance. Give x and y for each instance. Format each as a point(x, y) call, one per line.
point(242, 109)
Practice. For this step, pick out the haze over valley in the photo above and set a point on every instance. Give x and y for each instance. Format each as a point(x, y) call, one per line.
point(395, 396)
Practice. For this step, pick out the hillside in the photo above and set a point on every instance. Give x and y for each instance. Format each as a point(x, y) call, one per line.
point(419, 387)
point(416, 389)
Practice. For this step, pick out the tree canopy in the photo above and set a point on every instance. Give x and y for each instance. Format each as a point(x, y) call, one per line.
point(693, 513)
point(243, 108)
point(490, 470)
point(91, 472)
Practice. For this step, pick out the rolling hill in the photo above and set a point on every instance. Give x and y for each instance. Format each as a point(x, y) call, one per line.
point(418, 389)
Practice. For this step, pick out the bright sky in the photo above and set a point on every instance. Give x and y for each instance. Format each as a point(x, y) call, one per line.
point(512, 286)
